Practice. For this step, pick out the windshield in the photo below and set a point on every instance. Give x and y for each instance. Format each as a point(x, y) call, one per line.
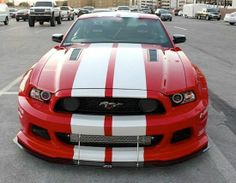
point(64, 8)
point(123, 8)
point(213, 10)
point(44, 4)
point(164, 11)
point(118, 30)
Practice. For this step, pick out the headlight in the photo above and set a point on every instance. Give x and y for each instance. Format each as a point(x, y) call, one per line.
point(40, 95)
point(47, 10)
point(32, 10)
point(147, 105)
point(182, 98)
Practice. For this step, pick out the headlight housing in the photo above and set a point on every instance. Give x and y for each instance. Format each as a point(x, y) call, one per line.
point(48, 10)
point(40, 95)
point(182, 98)
point(32, 10)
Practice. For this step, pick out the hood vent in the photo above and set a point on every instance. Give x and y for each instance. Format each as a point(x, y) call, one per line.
point(75, 54)
point(153, 55)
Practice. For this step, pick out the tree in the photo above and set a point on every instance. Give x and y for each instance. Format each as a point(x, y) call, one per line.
point(24, 4)
point(10, 4)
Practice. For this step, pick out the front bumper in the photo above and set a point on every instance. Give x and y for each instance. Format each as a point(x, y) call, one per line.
point(164, 152)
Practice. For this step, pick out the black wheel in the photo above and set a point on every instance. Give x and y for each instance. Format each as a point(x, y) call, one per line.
point(170, 19)
point(24, 20)
point(17, 19)
point(6, 22)
point(41, 22)
point(207, 17)
point(59, 19)
point(52, 21)
point(68, 18)
point(231, 23)
point(73, 17)
point(31, 21)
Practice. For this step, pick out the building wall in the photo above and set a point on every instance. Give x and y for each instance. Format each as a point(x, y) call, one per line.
point(98, 3)
point(234, 4)
point(147, 3)
point(79, 3)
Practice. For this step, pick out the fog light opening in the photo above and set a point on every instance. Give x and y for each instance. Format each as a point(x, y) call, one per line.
point(181, 135)
point(41, 132)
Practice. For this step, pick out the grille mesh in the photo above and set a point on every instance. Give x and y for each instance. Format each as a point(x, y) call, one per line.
point(109, 141)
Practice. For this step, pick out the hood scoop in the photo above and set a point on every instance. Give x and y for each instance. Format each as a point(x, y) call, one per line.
point(75, 54)
point(152, 55)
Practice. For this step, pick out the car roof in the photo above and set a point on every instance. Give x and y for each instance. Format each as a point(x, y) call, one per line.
point(119, 14)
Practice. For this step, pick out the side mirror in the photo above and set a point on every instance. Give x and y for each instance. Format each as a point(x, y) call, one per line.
point(57, 38)
point(179, 38)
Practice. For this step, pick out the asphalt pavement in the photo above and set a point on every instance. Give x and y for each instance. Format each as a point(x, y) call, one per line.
point(210, 45)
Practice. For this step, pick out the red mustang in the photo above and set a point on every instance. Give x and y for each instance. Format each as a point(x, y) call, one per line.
point(116, 90)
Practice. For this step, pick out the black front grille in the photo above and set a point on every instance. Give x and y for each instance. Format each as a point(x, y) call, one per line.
point(97, 106)
point(109, 141)
point(39, 10)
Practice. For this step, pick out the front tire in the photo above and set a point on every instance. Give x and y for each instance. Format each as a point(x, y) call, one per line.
point(6, 22)
point(17, 20)
point(52, 21)
point(31, 21)
point(231, 23)
point(59, 19)
point(41, 22)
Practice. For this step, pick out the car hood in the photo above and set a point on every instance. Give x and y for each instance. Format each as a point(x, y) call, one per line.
point(112, 66)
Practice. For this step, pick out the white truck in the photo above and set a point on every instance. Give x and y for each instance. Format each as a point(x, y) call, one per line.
point(4, 13)
point(44, 11)
point(190, 10)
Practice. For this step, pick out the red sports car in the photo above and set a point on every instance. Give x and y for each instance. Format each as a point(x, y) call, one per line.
point(116, 91)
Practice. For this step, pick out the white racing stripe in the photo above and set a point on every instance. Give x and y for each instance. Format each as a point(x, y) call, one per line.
point(86, 153)
point(87, 124)
point(128, 154)
point(129, 69)
point(92, 71)
point(129, 125)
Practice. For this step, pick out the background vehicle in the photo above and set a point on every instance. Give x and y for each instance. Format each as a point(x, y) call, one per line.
point(98, 10)
point(76, 11)
point(190, 10)
point(44, 11)
point(22, 14)
point(12, 12)
point(232, 18)
point(208, 14)
point(164, 14)
point(123, 8)
point(67, 13)
point(83, 11)
point(176, 11)
point(4, 13)
point(90, 8)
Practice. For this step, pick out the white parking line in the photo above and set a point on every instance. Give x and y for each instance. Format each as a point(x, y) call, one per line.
point(180, 28)
point(222, 163)
point(13, 28)
point(10, 93)
point(11, 84)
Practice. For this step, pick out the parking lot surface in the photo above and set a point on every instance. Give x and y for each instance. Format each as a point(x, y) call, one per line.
point(210, 45)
